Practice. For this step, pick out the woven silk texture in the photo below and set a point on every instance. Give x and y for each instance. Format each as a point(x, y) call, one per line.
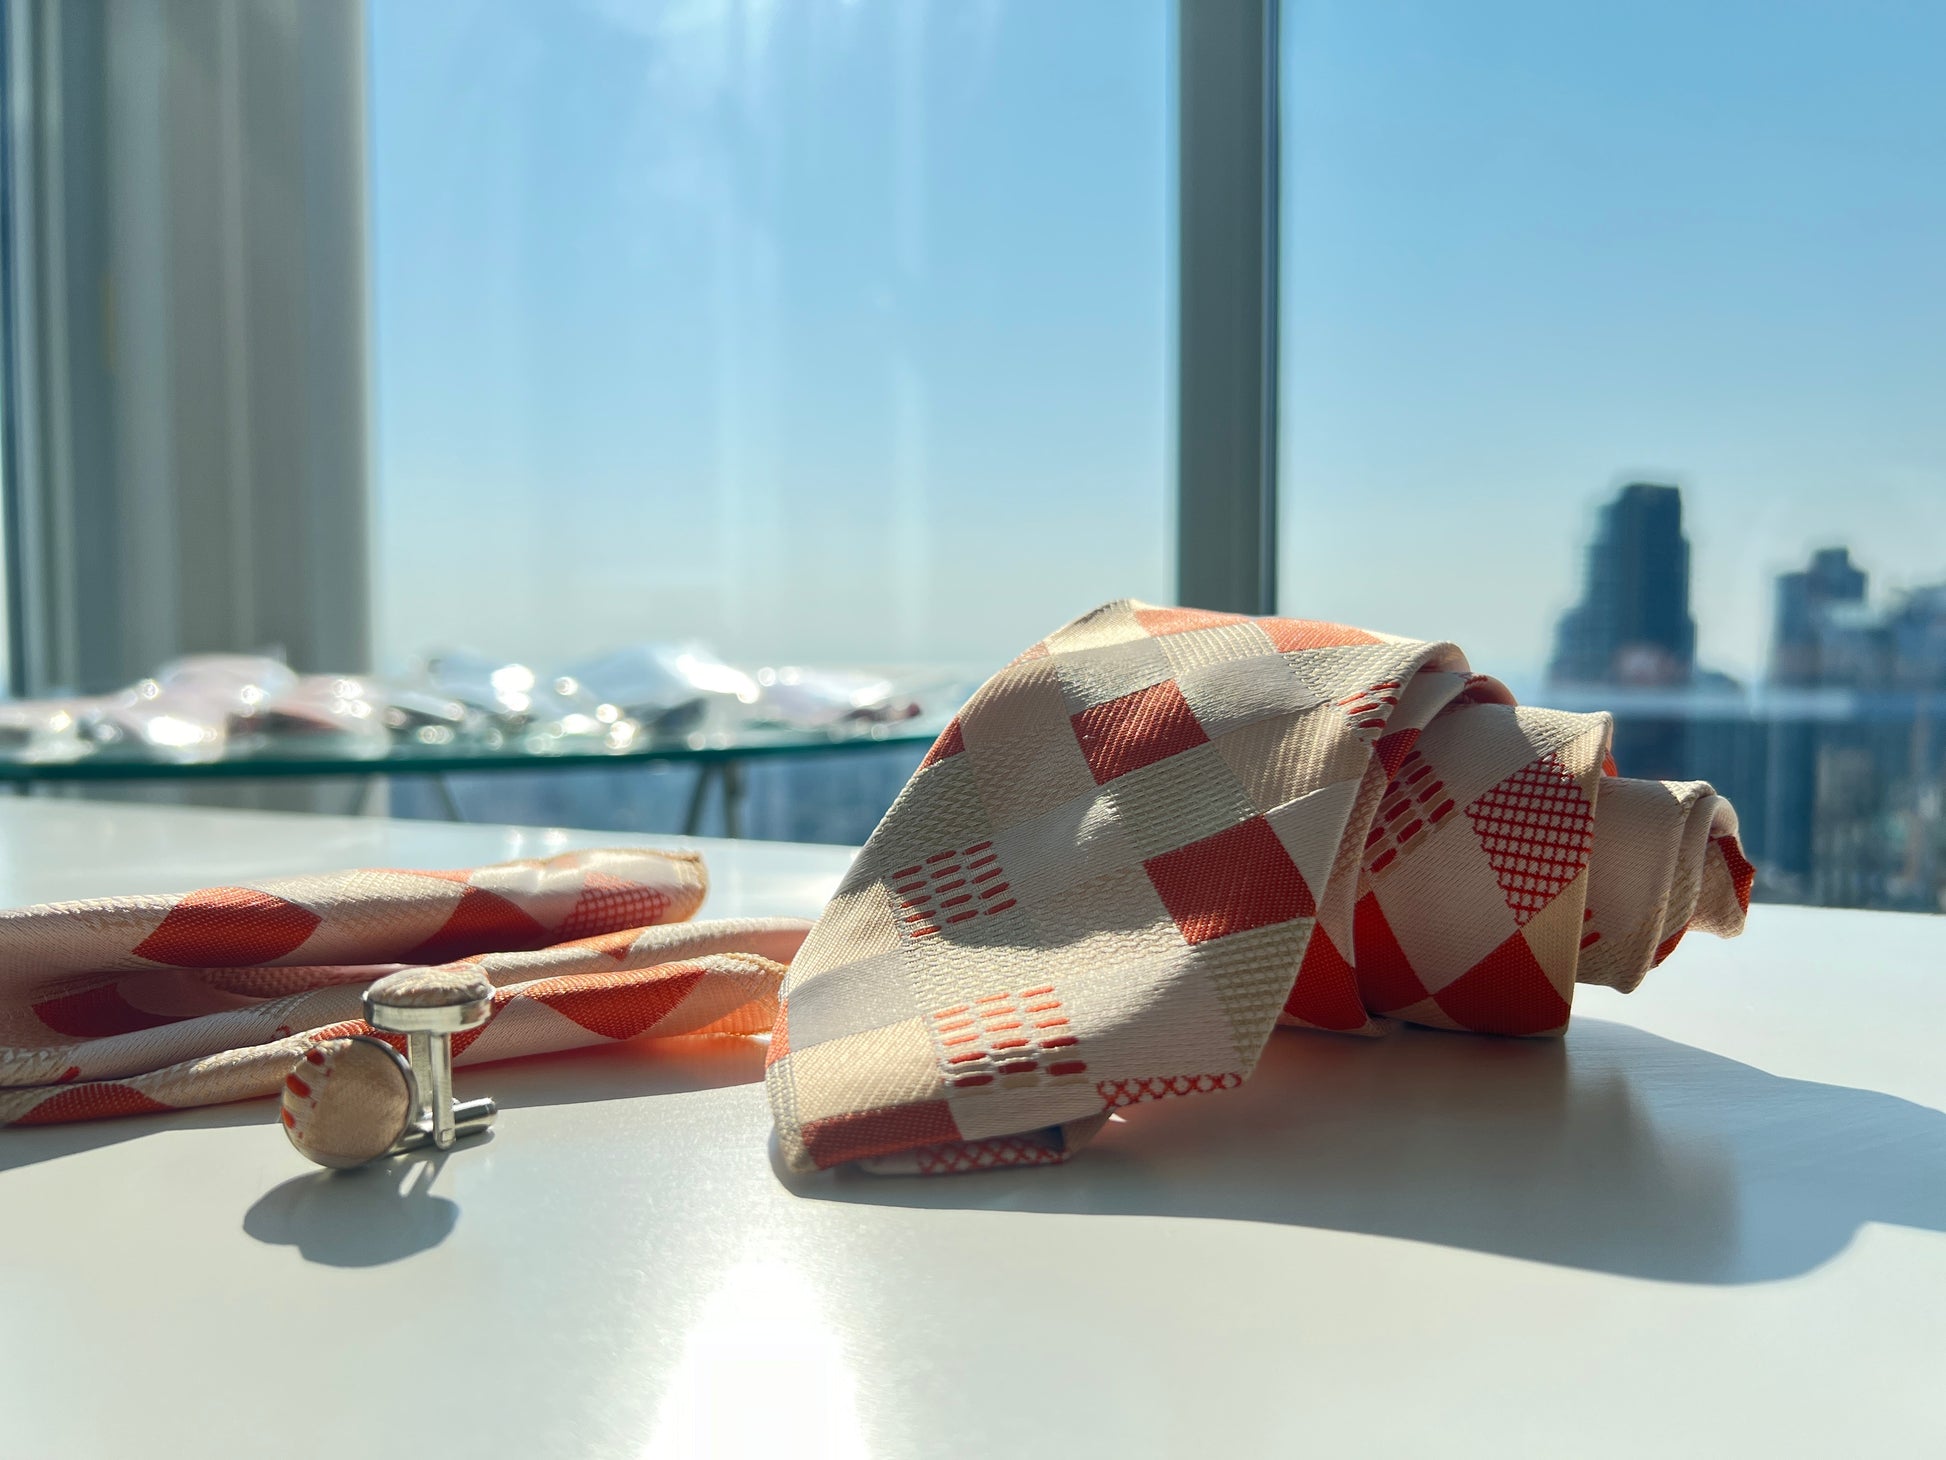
point(120, 1006)
point(1162, 832)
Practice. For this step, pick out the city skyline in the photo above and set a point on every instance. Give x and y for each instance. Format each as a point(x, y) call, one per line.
point(843, 331)
point(1838, 798)
point(1633, 625)
point(1532, 252)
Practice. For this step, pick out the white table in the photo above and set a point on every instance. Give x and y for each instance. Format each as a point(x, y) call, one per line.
point(1709, 1224)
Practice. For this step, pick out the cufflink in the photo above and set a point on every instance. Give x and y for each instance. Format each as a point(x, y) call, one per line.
point(349, 1101)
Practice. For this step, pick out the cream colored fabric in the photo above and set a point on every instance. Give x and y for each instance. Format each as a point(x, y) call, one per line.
point(1161, 832)
point(346, 1101)
point(431, 988)
point(120, 1006)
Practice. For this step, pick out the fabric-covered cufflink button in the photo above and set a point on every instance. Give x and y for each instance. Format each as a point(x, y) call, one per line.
point(349, 1101)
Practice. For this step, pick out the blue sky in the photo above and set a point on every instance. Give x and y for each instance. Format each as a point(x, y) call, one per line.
point(1532, 248)
point(842, 330)
point(816, 330)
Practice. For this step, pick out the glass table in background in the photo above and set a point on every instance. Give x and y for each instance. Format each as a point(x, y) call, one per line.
point(719, 759)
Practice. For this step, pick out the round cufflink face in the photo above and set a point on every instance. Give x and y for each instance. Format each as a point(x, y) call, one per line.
point(348, 1101)
point(429, 1000)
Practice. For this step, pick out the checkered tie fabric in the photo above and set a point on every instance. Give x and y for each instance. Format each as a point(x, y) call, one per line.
point(1162, 832)
point(134, 1004)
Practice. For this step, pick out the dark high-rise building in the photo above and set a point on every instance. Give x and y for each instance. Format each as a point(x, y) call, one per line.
point(1632, 626)
point(1811, 604)
point(1916, 632)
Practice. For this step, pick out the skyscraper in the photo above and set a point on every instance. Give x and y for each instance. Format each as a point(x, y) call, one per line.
point(1632, 626)
point(1854, 801)
point(1813, 606)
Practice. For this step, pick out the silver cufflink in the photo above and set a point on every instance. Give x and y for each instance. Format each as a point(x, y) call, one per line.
point(349, 1101)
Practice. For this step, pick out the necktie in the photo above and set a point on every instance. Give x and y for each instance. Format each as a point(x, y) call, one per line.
point(1162, 832)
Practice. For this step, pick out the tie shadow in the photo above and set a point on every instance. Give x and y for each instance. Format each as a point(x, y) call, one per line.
point(1614, 1151)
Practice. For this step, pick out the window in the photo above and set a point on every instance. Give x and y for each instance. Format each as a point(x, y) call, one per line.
point(863, 334)
point(829, 332)
point(832, 333)
point(1611, 352)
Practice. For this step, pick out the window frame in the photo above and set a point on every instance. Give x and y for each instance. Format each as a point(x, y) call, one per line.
point(1227, 130)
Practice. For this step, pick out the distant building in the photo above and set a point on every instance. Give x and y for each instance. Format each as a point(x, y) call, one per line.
point(1837, 767)
point(1821, 612)
point(1916, 639)
point(1853, 803)
point(1632, 626)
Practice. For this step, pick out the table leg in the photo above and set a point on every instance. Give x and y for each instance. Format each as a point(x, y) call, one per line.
point(446, 799)
point(692, 822)
point(733, 798)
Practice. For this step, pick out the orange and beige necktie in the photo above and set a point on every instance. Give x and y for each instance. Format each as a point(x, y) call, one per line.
point(1161, 832)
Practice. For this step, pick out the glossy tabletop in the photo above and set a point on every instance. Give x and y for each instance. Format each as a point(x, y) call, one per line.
point(1712, 1221)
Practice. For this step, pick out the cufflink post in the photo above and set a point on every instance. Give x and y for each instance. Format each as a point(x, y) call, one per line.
point(430, 1006)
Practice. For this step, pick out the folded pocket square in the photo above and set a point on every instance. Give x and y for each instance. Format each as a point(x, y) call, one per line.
point(1161, 832)
point(118, 1006)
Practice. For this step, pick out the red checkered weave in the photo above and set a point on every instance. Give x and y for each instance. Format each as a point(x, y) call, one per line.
point(1161, 832)
point(134, 1004)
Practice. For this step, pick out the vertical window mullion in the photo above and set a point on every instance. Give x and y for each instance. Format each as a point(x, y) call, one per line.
point(1226, 304)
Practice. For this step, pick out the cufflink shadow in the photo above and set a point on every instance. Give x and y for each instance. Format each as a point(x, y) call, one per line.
point(363, 1217)
point(386, 1212)
point(1614, 1150)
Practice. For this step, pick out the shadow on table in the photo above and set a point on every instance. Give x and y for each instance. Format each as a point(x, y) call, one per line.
point(29, 1145)
point(620, 1071)
point(387, 1211)
point(1614, 1150)
point(360, 1218)
point(605, 1072)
